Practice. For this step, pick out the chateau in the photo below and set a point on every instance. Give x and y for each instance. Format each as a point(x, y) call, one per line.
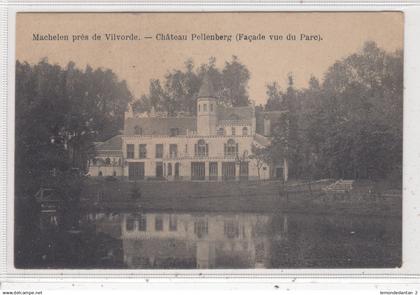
point(215, 145)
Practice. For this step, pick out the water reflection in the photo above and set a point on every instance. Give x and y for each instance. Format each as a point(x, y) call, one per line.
point(167, 240)
point(190, 240)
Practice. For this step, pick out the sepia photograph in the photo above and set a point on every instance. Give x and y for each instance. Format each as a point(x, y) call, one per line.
point(212, 140)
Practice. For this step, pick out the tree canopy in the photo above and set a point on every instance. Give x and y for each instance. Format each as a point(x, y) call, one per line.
point(178, 91)
point(60, 112)
point(349, 126)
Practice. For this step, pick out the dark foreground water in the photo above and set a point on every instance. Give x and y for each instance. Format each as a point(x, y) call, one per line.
point(179, 240)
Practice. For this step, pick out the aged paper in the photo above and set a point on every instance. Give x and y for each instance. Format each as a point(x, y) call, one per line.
point(208, 140)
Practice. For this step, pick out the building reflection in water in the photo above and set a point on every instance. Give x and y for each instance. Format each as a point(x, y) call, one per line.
point(190, 240)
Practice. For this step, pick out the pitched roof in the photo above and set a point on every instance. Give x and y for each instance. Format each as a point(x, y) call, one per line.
point(207, 88)
point(112, 144)
point(235, 113)
point(160, 126)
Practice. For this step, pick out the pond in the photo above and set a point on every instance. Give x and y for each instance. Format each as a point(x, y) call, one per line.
point(223, 240)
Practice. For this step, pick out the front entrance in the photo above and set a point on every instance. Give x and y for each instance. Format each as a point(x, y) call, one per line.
point(198, 171)
point(229, 171)
point(136, 171)
point(159, 169)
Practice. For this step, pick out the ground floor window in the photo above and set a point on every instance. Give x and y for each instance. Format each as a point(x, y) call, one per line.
point(173, 223)
point(198, 171)
point(229, 170)
point(158, 223)
point(213, 173)
point(159, 169)
point(129, 223)
point(169, 169)
point(142, 222)
point(136, 171)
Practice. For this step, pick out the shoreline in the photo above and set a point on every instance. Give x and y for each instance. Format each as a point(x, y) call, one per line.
point(235, 197)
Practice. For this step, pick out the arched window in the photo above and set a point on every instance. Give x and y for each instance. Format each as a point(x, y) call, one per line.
point(231, 148)
point(205, 107)
point(107, 161)
point(201, 148)
point(233, 131)
point(100, 173)
point(199, 108)
point(137, 130)
point(245, 131)
point(221, 131)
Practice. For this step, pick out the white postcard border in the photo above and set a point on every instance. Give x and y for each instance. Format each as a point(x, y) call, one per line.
point(411, 159)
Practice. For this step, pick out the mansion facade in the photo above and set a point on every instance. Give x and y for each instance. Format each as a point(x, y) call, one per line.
point(215, 145)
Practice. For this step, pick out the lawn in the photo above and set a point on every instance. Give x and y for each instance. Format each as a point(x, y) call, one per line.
point(247, 196)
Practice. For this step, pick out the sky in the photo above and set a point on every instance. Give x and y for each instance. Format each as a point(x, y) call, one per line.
point(138, 61)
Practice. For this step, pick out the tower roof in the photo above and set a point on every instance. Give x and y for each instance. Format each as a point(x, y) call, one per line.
point(206, 89)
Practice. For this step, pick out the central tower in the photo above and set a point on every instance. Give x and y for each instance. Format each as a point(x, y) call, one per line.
point(206, 108)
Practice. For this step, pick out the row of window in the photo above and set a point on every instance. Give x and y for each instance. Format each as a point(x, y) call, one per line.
point(175, 131)
point(173, 151)
point(201, 229)
point(211, 107)
point(201, 148)
point(142, 223)
point(221, 131)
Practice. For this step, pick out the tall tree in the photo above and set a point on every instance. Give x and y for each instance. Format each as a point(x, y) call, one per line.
point(60, 112)
point(346, 126)
point(274, 97)
point(235, 81)
point(178, 91)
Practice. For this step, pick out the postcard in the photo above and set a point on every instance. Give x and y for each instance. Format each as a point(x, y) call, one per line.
point(208, 140)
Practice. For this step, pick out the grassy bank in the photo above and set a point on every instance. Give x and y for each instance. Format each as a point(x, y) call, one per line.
point(267, 196)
